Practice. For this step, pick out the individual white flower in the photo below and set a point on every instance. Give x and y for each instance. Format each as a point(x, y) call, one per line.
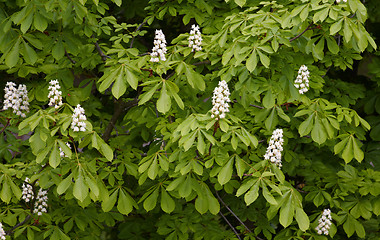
point(55, 96)
point(220, 101)
point(78, 120)
point(2, 232)
point(274, 149)
point(302, 80)
point(27, 191)
point(325, 222)
point(40, 205)
point(159, 49)
point(61, 152)
point(195, 38)
point(338, 1)
point(16, 98)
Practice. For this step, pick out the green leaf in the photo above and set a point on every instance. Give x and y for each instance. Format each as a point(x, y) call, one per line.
point(39, 22)
point(195, 79)
point(241, 3)
point(268, 196)
point(55, 157)
point(348, 152)
point(80, 190)
point(150, 202)
point(335, 27)
point(167, 203)
point(252, 61)
point(106, 150)
point(201, 204)
point(269, 99)
point(65, 148)
point(132, 79)
point(108, 78)
point(201, 146)
point(64, 184)
point(163, 102)
point(58, 51)
point(108, 204)
point(5, 193)
point(30, 55)
point(339, 146)
point(306, 126)
point(12, 57)
point(358, 153)
point(252, 194)
point(226, 172)
point(124, 205)
point(148, 95)
point(302, 219)
point(119, 87)
point(286, 212)
point(264, 59)
point(318, 134)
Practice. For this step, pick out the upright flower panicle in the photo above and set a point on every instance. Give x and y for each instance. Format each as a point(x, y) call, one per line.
point(324, 223)
point(41, 202)
point(274, 149)
point(195, 38)
point(2, 232)
point(220, 101)
point(159, 49)
point(302, 80)
point(27, 191)
point(61, 152)
point(16, 98)
point(55, 96)
point(78, 119)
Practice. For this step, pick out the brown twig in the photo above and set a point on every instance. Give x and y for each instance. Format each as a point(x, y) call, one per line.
point(256, 106)
point(137, 29)
point(102, 55)
point(299, 35)
point(68, 56)
point(229, 224)
point(9, 232)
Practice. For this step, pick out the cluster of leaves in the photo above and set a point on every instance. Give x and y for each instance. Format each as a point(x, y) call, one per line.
point(152, 153)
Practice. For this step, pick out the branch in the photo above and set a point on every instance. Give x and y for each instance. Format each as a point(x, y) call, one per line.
point(102, 55)
point(9, 232)
point(299, 35)
point(137, 29)
point(229, 224)
point(256, 106)
point(68, 56)
point(201, 63)
point(120, 106)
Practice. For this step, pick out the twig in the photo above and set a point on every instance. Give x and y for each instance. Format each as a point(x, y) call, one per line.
point(102, 55)
point(120, 106)
point(68, 56)
point(9, 232)
point(299, 35)
point(6, 125)
point(143, 54)
point(229, 224)
point(201, 63)
point(256, 106)
point(225, 205)
point(137, 29)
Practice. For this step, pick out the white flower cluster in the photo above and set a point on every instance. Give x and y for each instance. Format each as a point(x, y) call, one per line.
point(61, 153)
point(78, 119)
point(41, 202)
point(195, 38)
point(302, 80)
point(27, 191)
point(274, 149)
point(159, 49)
point(55, 96)
point(220, 101)
point(324, 222)
point(16, 98)
point(338, 1)
point(2, 232)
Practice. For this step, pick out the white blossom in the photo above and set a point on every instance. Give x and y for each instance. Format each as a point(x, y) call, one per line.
point(195, 38)
point(2, 232)
point(55, 96)
point(338, 1)
point(220, 101)
point(78, 120)
point(159, 49)
point(61, 152)
point(325, 222)
point(16, 98)
point(302, 80)
point(40, 205)
point(27, 191)
point(274, 149)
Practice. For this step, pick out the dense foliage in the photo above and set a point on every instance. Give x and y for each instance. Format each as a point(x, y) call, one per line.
point(132, 149)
